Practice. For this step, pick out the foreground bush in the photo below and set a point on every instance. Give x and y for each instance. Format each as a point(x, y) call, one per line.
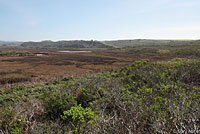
point(55, 102)
point(79, 118)
point(146, 97)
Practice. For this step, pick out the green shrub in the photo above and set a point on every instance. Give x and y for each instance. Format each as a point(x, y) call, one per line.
point(9, 124)
point(56, 102)
point(80, 118)
point(86, 96)
point(163, 51)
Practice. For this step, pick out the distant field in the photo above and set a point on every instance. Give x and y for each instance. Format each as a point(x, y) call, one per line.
point(56, 65)
point(22, 65)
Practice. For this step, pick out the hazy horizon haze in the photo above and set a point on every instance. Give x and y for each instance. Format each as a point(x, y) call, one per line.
point(37, 20)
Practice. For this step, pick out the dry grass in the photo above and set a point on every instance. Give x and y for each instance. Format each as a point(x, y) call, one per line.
point(56, 65)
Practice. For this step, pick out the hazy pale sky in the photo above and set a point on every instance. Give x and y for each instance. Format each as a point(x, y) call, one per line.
point(35, 20)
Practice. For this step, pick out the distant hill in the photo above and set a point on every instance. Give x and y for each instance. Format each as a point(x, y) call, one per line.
point(101, 44)
point(144, 42)
point(10, 43)
point(65, 44)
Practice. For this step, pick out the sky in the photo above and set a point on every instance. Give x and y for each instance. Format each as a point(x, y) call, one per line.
point(36, 20)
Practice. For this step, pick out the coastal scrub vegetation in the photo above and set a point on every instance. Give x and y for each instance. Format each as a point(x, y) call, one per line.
point(145, 97)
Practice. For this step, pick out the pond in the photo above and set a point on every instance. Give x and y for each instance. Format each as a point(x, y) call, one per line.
point(75, 51)
point(40, 54)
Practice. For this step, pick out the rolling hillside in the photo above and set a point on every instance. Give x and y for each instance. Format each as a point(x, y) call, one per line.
point(10, 43)
point(144, 42)
point(65, 44)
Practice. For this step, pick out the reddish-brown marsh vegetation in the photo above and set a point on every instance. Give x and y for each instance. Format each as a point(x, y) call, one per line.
point(55, 65)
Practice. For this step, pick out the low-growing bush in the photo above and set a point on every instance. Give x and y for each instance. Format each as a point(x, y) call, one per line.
point(146, 97)
point(163, 51)
point(9, 124)
point(80, 118)
point(55, 102)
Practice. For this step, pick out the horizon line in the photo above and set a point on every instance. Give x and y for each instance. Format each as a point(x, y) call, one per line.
point(99, 39)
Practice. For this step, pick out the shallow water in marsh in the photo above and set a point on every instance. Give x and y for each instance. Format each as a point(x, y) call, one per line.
point(75, 51)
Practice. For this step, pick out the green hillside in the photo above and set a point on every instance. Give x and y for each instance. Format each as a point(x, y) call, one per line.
point(65, 44)
point(144, 42)
point(10, 43)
